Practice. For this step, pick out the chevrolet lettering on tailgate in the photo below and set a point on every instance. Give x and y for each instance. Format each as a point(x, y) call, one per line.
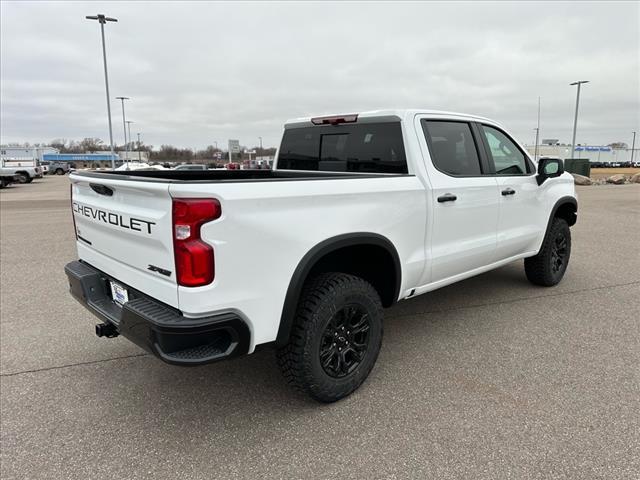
point(136, 224)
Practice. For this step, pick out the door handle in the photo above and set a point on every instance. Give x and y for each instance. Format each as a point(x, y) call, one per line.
point(508, 191)
point(447, 197)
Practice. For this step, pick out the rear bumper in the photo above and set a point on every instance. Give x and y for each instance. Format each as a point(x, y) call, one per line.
point(156, 327)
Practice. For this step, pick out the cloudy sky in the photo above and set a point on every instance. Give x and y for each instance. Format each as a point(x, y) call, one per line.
point(202, 72)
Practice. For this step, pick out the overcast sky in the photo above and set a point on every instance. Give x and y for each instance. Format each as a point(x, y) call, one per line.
point(203, 72)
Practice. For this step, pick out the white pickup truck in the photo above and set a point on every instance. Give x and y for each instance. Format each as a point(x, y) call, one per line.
point(360, 211)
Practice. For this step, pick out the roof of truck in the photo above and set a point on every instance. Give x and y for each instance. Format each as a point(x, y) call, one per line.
point(390, 114)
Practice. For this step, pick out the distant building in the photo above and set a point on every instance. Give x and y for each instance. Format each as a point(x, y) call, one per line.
point(595, 153)
point(83, 160)
point(134, 156)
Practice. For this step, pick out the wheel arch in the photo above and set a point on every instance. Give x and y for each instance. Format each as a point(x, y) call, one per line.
point(333, 249)
point(566, 208)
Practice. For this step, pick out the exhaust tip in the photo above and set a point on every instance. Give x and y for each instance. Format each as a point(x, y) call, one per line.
point(108, 330)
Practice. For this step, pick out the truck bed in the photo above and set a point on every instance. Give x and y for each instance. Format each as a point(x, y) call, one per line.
point(226, 176)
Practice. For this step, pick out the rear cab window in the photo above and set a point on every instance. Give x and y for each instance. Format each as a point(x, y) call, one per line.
point(452, 147)
point(357, 147)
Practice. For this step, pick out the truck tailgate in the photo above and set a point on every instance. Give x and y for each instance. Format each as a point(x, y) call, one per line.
point(124, 229)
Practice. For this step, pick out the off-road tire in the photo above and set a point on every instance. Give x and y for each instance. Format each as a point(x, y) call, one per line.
point(324, 298)
point(544, 268)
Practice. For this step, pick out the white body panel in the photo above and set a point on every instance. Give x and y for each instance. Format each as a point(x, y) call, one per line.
point(267, 227)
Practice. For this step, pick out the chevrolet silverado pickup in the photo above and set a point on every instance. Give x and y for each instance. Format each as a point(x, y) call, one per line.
point(360, 211)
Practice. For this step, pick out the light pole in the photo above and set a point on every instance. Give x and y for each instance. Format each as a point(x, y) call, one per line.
point(633, 146)
point(104, 19)
point(124, 125)
point(575, 119)
point(139, 159)
point(129, 122)
point(535, 155)
point(260, 144)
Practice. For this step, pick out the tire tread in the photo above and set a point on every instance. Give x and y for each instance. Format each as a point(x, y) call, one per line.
point(294, 358)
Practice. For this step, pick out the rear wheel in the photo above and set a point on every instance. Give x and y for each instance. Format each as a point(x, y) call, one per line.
point(336, 337)
point(59, 171)
point(548, 267)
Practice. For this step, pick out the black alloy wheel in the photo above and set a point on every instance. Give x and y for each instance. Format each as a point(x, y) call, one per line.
point(558, 252)
point(345, 341)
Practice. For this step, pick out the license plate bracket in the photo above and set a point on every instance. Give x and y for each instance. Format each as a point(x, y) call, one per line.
point(119, 294)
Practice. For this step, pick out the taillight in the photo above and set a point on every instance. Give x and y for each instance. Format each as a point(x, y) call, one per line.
point(73, 216)
point(194, 258)
point(353, 118)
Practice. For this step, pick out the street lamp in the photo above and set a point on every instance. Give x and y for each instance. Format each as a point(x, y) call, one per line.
point(260, 143)
point(633, 146)
point(104, 19)
point(129, 122)
point(139, 159)
point(124, 124)
point(537, 129)
point(575, 120)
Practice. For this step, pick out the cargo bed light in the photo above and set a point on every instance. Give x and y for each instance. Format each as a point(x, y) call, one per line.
point(353, 118)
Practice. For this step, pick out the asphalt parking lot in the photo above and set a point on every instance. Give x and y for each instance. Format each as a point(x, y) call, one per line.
point(490, 378)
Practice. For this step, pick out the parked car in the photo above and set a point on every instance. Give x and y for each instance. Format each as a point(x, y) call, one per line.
point(23, 174)
point(190, 166)
point(7, 178)
point(57, 168)
point(359, 212)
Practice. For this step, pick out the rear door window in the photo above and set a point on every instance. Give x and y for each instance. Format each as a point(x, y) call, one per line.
point(452, 147)
point(367, 148)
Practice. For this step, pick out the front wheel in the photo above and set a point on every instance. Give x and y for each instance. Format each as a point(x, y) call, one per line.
point(548, 267)
point(336, 337)
point(59, 171)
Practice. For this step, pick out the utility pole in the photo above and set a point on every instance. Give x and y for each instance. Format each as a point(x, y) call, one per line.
point(575, 119)
point(102, 19)
point(129, 122)
point(139, 159)
point(124, 128)
point(633, 146)
point(535, 155)
point(260, 145)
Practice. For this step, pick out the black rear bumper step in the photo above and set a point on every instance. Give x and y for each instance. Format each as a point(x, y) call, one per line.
point(156, 327)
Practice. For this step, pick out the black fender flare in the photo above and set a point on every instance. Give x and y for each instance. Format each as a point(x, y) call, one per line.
point(561, 202)
point(309, 261)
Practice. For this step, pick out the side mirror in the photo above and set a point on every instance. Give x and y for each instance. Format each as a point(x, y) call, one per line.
point(549, 168)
